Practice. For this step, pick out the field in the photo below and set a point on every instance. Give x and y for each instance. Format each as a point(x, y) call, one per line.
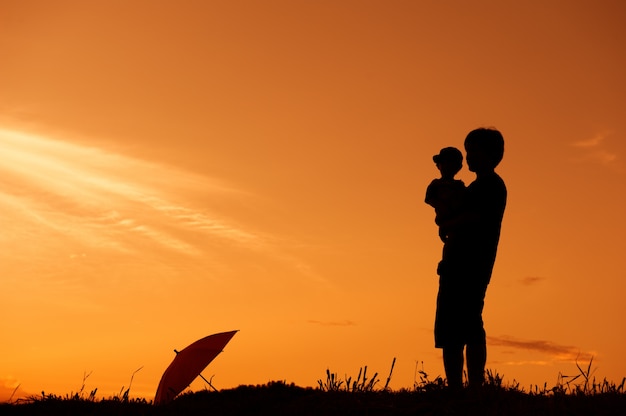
point(348, 397)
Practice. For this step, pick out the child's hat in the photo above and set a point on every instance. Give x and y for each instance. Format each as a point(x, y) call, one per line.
point(451, 154)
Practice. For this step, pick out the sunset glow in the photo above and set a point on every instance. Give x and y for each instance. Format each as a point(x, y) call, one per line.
point(174, 170)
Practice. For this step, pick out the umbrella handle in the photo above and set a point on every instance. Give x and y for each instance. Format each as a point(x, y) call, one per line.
point(201, 376)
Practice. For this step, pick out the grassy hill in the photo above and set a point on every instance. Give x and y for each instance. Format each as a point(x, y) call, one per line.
point(279, 398)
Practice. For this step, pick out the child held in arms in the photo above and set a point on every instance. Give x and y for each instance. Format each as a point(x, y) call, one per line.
point(445, 193)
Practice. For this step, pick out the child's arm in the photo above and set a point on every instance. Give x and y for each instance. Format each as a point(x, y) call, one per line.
point(431, 194)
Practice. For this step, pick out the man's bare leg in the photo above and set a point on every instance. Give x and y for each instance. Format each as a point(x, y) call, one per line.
point(476, 360)
point(453, 364)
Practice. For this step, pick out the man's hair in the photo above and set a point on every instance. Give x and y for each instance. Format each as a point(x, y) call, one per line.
point(489, 140)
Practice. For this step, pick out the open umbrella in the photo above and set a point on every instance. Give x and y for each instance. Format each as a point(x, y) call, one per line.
point(188, 364)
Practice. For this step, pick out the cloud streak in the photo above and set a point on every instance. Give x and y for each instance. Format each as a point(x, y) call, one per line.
point(345, 322)
point(531, 280)
point(555, 351)
point(595, 150)
point(108, 200)
point(595, 141)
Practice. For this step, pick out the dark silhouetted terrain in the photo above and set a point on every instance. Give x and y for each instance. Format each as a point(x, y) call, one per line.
point(278, 398)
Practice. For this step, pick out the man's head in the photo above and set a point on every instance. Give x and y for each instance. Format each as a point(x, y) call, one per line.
point(484, 148)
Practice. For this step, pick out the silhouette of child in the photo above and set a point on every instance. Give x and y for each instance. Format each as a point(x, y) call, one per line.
point(445, 194)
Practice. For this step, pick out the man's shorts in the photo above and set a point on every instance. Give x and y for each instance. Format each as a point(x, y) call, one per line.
point(459, 320)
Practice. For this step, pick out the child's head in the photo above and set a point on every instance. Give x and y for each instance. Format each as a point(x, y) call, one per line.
point(449, 161)
point(484, 148)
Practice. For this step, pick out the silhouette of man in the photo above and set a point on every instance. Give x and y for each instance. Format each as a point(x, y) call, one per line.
point(467, 262)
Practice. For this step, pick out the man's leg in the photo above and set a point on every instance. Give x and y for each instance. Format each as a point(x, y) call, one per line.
point(476, 353)
point(476, 360)
point(453, 364)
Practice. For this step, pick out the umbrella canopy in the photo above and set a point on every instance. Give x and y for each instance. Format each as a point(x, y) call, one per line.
point(188, 364)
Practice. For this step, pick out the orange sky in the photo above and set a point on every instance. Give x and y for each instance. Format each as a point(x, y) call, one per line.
point(170, 170)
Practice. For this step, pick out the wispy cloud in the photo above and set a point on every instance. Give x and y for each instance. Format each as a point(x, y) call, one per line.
point(345, 322)
point(531, 280)
point(594, 141)
point(109, 200)
point(555, 351)
point(595, 149)
point(75, 216)
point(523, 363)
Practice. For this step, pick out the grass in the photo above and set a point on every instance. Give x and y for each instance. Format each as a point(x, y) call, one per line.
point(580, 394)
point(360, 384)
